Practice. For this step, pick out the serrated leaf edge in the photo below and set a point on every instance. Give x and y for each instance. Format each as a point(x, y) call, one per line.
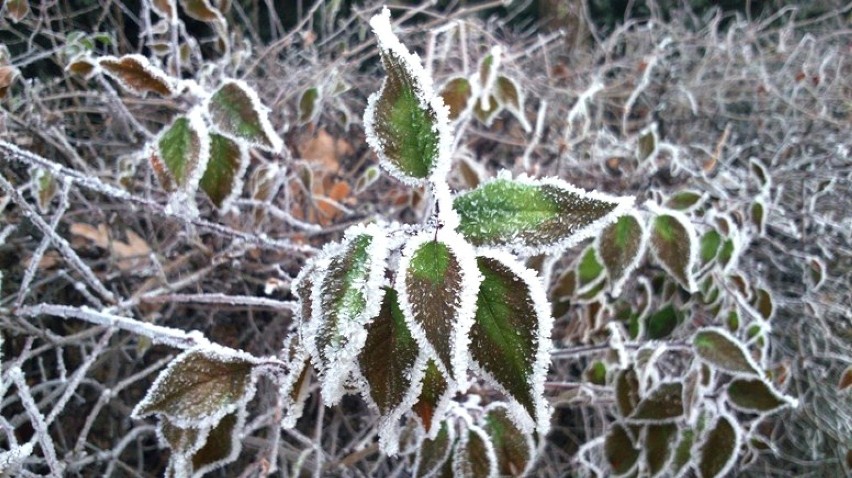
point(451, 438)
point(462, 445)
point(262, 114)
point(389, 41)
point(526, 423)
point(211, 351)
point(335, 377)
point(465, 255)
point(694, 246)
point(533, 451)
point(617, 284)
point(156, 72)
point(623, 204)
point(729, 336)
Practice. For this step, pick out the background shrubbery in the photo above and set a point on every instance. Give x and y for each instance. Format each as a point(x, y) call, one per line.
point(738, 117)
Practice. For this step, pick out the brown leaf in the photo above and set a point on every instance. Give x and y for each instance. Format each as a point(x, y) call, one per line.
point(136, 73)
point(7, 77)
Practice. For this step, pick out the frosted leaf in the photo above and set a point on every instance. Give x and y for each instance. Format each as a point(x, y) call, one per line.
point(83, 66)
point(662, 323)
point(646, 144)
point(626, 391)
point(45, 186)
point(182, 154)
point(675, 245)
point(683, 451)
point(389, 363)
point(308, 109)
point(433, 453)
point(137, 75)
point(405, 122)
point(486, 109)
point(845, 381)
point(435, 394)
point(165, 8)
point(764, 304)
point(12, 459)
point(456, 94)
point(815, 273)
point(718, 452)
point(293, 389)
point(346, 296)
point(515, 450)
point(721, 350)
point(17, 10)
point(659, 446)
point(437, 284)
point(589, 270)
point(758, 216)
point(222, 445)
point(509, 94)
point(621, 246)
point(756, 395)
point(761, 173)
point(202, 11)
point(662, 404)
point(201, 386)
point(237, 112)
point(709, 246)
point(474, 456)
point(685, 200)
point(222, 179)
point(183, 441)
point(534, 216)
point(510, 339)
point(619, 450)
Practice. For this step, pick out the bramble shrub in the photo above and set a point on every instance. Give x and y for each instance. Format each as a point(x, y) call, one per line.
point(461, 309)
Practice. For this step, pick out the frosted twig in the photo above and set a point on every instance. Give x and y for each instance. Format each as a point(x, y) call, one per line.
point(158, 333)
point(37, 419)
point(89, 182)
point(60, 242)
point(220, 299)
point(29, 274)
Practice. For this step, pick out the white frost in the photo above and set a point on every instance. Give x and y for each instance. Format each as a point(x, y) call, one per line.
point(428, 99)
point(541, 422)
point(465, 305)
point(617, 283)
point(345, 359)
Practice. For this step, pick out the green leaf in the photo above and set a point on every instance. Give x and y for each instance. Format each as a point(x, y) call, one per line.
point(684, 200)
point(388, 336)
point(659, 441)
point(200, 386)
point(511, 335)
point(222, 179)
point(758, 216)
point(46, 188)
point(405, 122)
point(675, 247)
point(719, 450)
point(237, 112)
point(596, 373)
point(534, 216)
point(710, 242)
point(137, 75)
point(475, 457)
point(626, 391)
point(663, 404)
point(456, 94)
point(620, 247)
point(308, 105)
point(184, 149)
point(512, 447)
point(662, 323)
point(345, 299)
point(646, 144)
point(433, 453)
point(433, 395)
point(720, 349)
point(755, 395)
point(620, 451)
point(589, 268)
point(683, 451)
point(439, 284)
point(727, 251)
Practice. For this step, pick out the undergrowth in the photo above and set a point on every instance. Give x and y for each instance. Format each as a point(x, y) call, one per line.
point(213, 261)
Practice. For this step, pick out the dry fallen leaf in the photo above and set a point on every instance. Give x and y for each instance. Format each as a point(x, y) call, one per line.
point(128, 255)
point(326, 151)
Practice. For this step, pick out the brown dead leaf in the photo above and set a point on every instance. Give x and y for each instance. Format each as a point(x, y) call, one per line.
point(325, 151)
point(128, 255)
point(7, 77)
